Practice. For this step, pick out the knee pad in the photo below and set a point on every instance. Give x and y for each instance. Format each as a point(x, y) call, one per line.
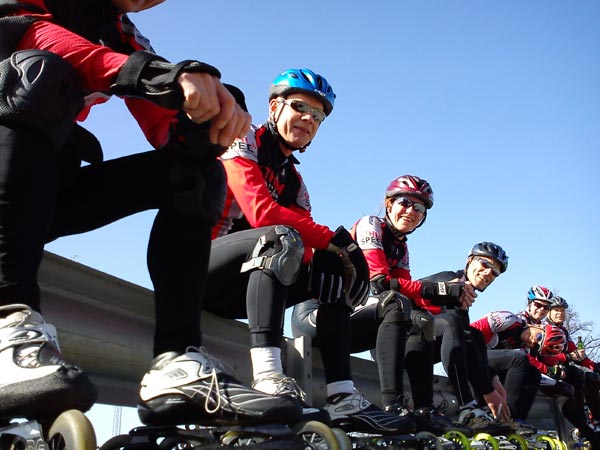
point(200, 188)
point(424, 324)
point(394, 307)
point(278, 252)
point(40, 89)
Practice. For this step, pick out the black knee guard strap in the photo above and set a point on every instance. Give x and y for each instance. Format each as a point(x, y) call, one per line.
point(279, 251)
point(394, 307)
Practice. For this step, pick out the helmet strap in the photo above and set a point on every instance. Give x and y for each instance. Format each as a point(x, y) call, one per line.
point(272, 126)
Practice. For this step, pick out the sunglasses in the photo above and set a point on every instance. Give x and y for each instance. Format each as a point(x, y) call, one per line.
point(488, 265)
point(318, 115)
point(407, 203)
point(540, 305)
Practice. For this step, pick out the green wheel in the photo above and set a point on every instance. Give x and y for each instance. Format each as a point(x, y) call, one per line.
point(429, 440)
point(241, 439)
point(548, 442)
point(518, 440)
point(318, 435)
point(71, 431)
point(343, 439)
point(458, 438)
point(489, 441)
point(560, 445)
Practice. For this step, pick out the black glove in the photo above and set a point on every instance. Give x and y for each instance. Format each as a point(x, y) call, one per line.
point(356, 270)
point(441, 293)
point(597, 367)
point(327, 277)
point(555, 372)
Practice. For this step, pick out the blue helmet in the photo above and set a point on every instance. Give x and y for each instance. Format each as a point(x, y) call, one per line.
point(305, 81)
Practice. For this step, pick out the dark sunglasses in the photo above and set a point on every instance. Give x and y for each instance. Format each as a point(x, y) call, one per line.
point(540, 305)
point(488, 265)
point(407, 203)
point(318, 115)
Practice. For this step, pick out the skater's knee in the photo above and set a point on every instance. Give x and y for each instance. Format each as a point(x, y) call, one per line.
point(423, 325)
point(200, 188)
point(279, 253)
point(304, 319)
point(393, 307)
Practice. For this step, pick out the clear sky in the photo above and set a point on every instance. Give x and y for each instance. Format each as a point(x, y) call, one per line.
point(495, 103)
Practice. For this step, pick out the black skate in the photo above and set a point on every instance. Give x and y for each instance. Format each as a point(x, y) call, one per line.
point(279, 384)
point(193, 388)
point(354, 413)
point(433, 421)
point(35, 382)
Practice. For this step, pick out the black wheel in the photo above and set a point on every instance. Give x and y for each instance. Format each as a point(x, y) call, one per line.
point(428, 440)
point(71, 431)
point(318, 435)
point(241, 439)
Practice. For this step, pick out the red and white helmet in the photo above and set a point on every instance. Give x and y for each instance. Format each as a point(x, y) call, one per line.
point(413, 186)
point(554, 341)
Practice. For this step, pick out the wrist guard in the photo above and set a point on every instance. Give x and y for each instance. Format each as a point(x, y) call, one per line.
point(441, 293)
point(146, 75)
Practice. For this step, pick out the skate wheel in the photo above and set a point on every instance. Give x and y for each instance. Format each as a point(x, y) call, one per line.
point(428, 440)
point(71, 431)
point(518, 440)
point(458, 438)
point(489, 441)
point(548, 442)
point(241, 439)
point(317, 435)
point(343, 439)
point(560, 445)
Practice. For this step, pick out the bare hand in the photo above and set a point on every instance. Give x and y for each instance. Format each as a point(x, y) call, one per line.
point(205, 98)
point(468, 296)
point(498, 406)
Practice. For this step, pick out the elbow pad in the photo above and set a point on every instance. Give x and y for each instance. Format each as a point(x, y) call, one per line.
point(146, 75)
point(441, 293)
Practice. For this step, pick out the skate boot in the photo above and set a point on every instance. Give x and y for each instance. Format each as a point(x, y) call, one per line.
point(35, 382)
point(481, 422)
point(399, 407)
point(279, 384)
point(192, 388)
point(430, 419)
point(522, 428)
point(353, 412)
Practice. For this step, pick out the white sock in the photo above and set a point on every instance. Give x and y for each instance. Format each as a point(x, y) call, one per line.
point(340, 387)
point(472, 404)
point(265, 361)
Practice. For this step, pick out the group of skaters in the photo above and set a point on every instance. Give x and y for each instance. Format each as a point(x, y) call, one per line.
point(234, 235)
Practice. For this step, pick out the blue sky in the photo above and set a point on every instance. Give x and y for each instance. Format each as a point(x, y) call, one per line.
point(495, 103)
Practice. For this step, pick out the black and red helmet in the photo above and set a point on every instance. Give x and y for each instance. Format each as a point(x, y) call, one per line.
point(554, 341)
point(413, 186)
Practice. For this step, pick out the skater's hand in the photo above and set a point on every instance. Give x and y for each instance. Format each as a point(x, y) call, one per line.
point(498, 406)
point(468, 296)
point(577, 355)
point(499, 387)
point(205, 98)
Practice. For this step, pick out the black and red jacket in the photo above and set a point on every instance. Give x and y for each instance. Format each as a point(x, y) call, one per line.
point(55, 28)
point(264, 188)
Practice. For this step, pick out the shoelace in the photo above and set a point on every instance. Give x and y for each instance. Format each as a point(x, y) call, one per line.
point(211, 373)
point(288, 385)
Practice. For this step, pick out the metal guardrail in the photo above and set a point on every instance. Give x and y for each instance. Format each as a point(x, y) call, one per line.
point(106, 324)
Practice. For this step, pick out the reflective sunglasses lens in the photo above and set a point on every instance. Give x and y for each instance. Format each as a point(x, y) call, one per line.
point(539, 337)
point(541, 305)
point(318, 115)
point(419, 207)
point(299, 106)
point(488, 265)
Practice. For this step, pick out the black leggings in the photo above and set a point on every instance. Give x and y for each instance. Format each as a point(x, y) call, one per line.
point(463, 355)
point(520, 379)
point(45, 195)
point(259, 297)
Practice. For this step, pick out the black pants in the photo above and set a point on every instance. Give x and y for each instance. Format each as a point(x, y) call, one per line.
point(45, 195)
point(521, 380)
point(262, 299)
